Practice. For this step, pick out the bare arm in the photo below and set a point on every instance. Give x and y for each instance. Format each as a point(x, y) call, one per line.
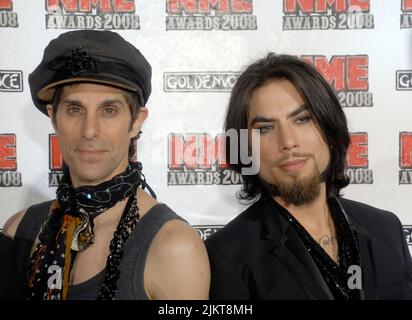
point(177, 266)
point(10, 227)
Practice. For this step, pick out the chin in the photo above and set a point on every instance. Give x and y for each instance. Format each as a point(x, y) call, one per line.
point(90, 174)
point(91, 179)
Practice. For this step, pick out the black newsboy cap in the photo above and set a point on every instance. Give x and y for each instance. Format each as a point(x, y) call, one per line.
point(90, 56)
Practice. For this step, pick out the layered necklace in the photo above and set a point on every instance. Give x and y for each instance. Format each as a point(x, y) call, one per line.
point(69, 230)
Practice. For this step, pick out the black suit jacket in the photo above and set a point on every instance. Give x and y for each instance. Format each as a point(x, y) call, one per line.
point(258, 255)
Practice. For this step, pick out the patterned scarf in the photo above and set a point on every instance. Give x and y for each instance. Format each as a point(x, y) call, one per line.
point(69, 229)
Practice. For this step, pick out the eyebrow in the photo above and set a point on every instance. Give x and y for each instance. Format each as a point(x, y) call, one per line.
point(71, 101)
point(101, 104)
point(290, 115)
point(110, 101)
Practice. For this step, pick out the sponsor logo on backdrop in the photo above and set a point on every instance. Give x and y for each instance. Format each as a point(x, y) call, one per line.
point(199, 81)
point(206, 231)
point(327, 15)
point(92, 14)
point(403, 80)
point(407, 229)
point(11, 81)
point(348, 75)
point(198, 159)
point(210, 15)
point(357, 162)
point(8, 18)
point(55, 161)
point(405, 158)
point(9, 176)
point(406, 14)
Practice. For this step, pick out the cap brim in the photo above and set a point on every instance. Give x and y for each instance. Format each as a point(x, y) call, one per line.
point(46, 93)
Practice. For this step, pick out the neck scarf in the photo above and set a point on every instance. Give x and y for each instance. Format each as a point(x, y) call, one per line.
point(69, 229)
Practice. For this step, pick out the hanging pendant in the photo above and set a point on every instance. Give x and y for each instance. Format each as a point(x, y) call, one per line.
point(83, 235)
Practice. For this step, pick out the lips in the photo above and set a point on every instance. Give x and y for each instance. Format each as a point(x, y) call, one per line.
point(293, 165)
point(90, 155)
point(91, 151)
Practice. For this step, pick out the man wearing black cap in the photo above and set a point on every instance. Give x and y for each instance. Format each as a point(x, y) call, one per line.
point(103, 237)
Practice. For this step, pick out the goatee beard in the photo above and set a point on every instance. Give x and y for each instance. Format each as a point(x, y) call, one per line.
point(299, 192)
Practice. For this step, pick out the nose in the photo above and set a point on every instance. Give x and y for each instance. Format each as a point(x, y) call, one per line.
point(90, 127)
point(287, 138)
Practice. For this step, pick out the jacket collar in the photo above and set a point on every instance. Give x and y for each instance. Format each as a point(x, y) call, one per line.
point(368, 267)
point(285, 244)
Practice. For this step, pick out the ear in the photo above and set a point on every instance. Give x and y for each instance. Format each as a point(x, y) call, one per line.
point(142, 114)
point(49, 108)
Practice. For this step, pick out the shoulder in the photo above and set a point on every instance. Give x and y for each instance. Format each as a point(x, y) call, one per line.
point(144, 201)
point(31, 217)
point(247, 221)
point(379, 222)
point(11, 225)
point(367, 213)
point(176, 234)
point(177, 265)
point(244, 228)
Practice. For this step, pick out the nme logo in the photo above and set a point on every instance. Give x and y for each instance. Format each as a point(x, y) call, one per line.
point(210, 15)
point(348, 75)
point(9, 177)
point(405, 158)
point(407, 229)
point(206, 231)
point(327, 15)
point(403, 80)
point(357, 163)
point(55, 161)
point(92, 14)
point(6, 5)
point(406, 14)
point(199, 81)
point(8, 18)
point(11, 81)
point(198, 159)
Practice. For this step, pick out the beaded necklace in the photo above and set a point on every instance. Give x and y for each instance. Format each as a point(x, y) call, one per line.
point(69, 229)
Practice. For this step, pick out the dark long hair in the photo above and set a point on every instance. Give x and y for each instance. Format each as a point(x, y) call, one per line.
point(318, 97)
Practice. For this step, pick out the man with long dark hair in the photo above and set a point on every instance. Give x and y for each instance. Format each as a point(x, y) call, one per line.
point(104, 237)
point(300, 239)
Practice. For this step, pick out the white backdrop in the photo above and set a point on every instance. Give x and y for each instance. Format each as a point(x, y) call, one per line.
point(363, 48)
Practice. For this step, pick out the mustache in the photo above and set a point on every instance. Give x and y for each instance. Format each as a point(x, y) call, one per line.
point(292, 155)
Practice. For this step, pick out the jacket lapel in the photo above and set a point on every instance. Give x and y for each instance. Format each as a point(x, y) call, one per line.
point(369, 289)
point(287, 246)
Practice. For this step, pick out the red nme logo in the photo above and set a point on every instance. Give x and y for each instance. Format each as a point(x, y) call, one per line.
point(406, 5)
point(357, 155)
point(405, 150)
point(197, 151)
point(321, 6)
point(8, 160)
point(6, 5)
point(88, 6)
point(55, 155)
point(348, 72)
point(205, 6)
